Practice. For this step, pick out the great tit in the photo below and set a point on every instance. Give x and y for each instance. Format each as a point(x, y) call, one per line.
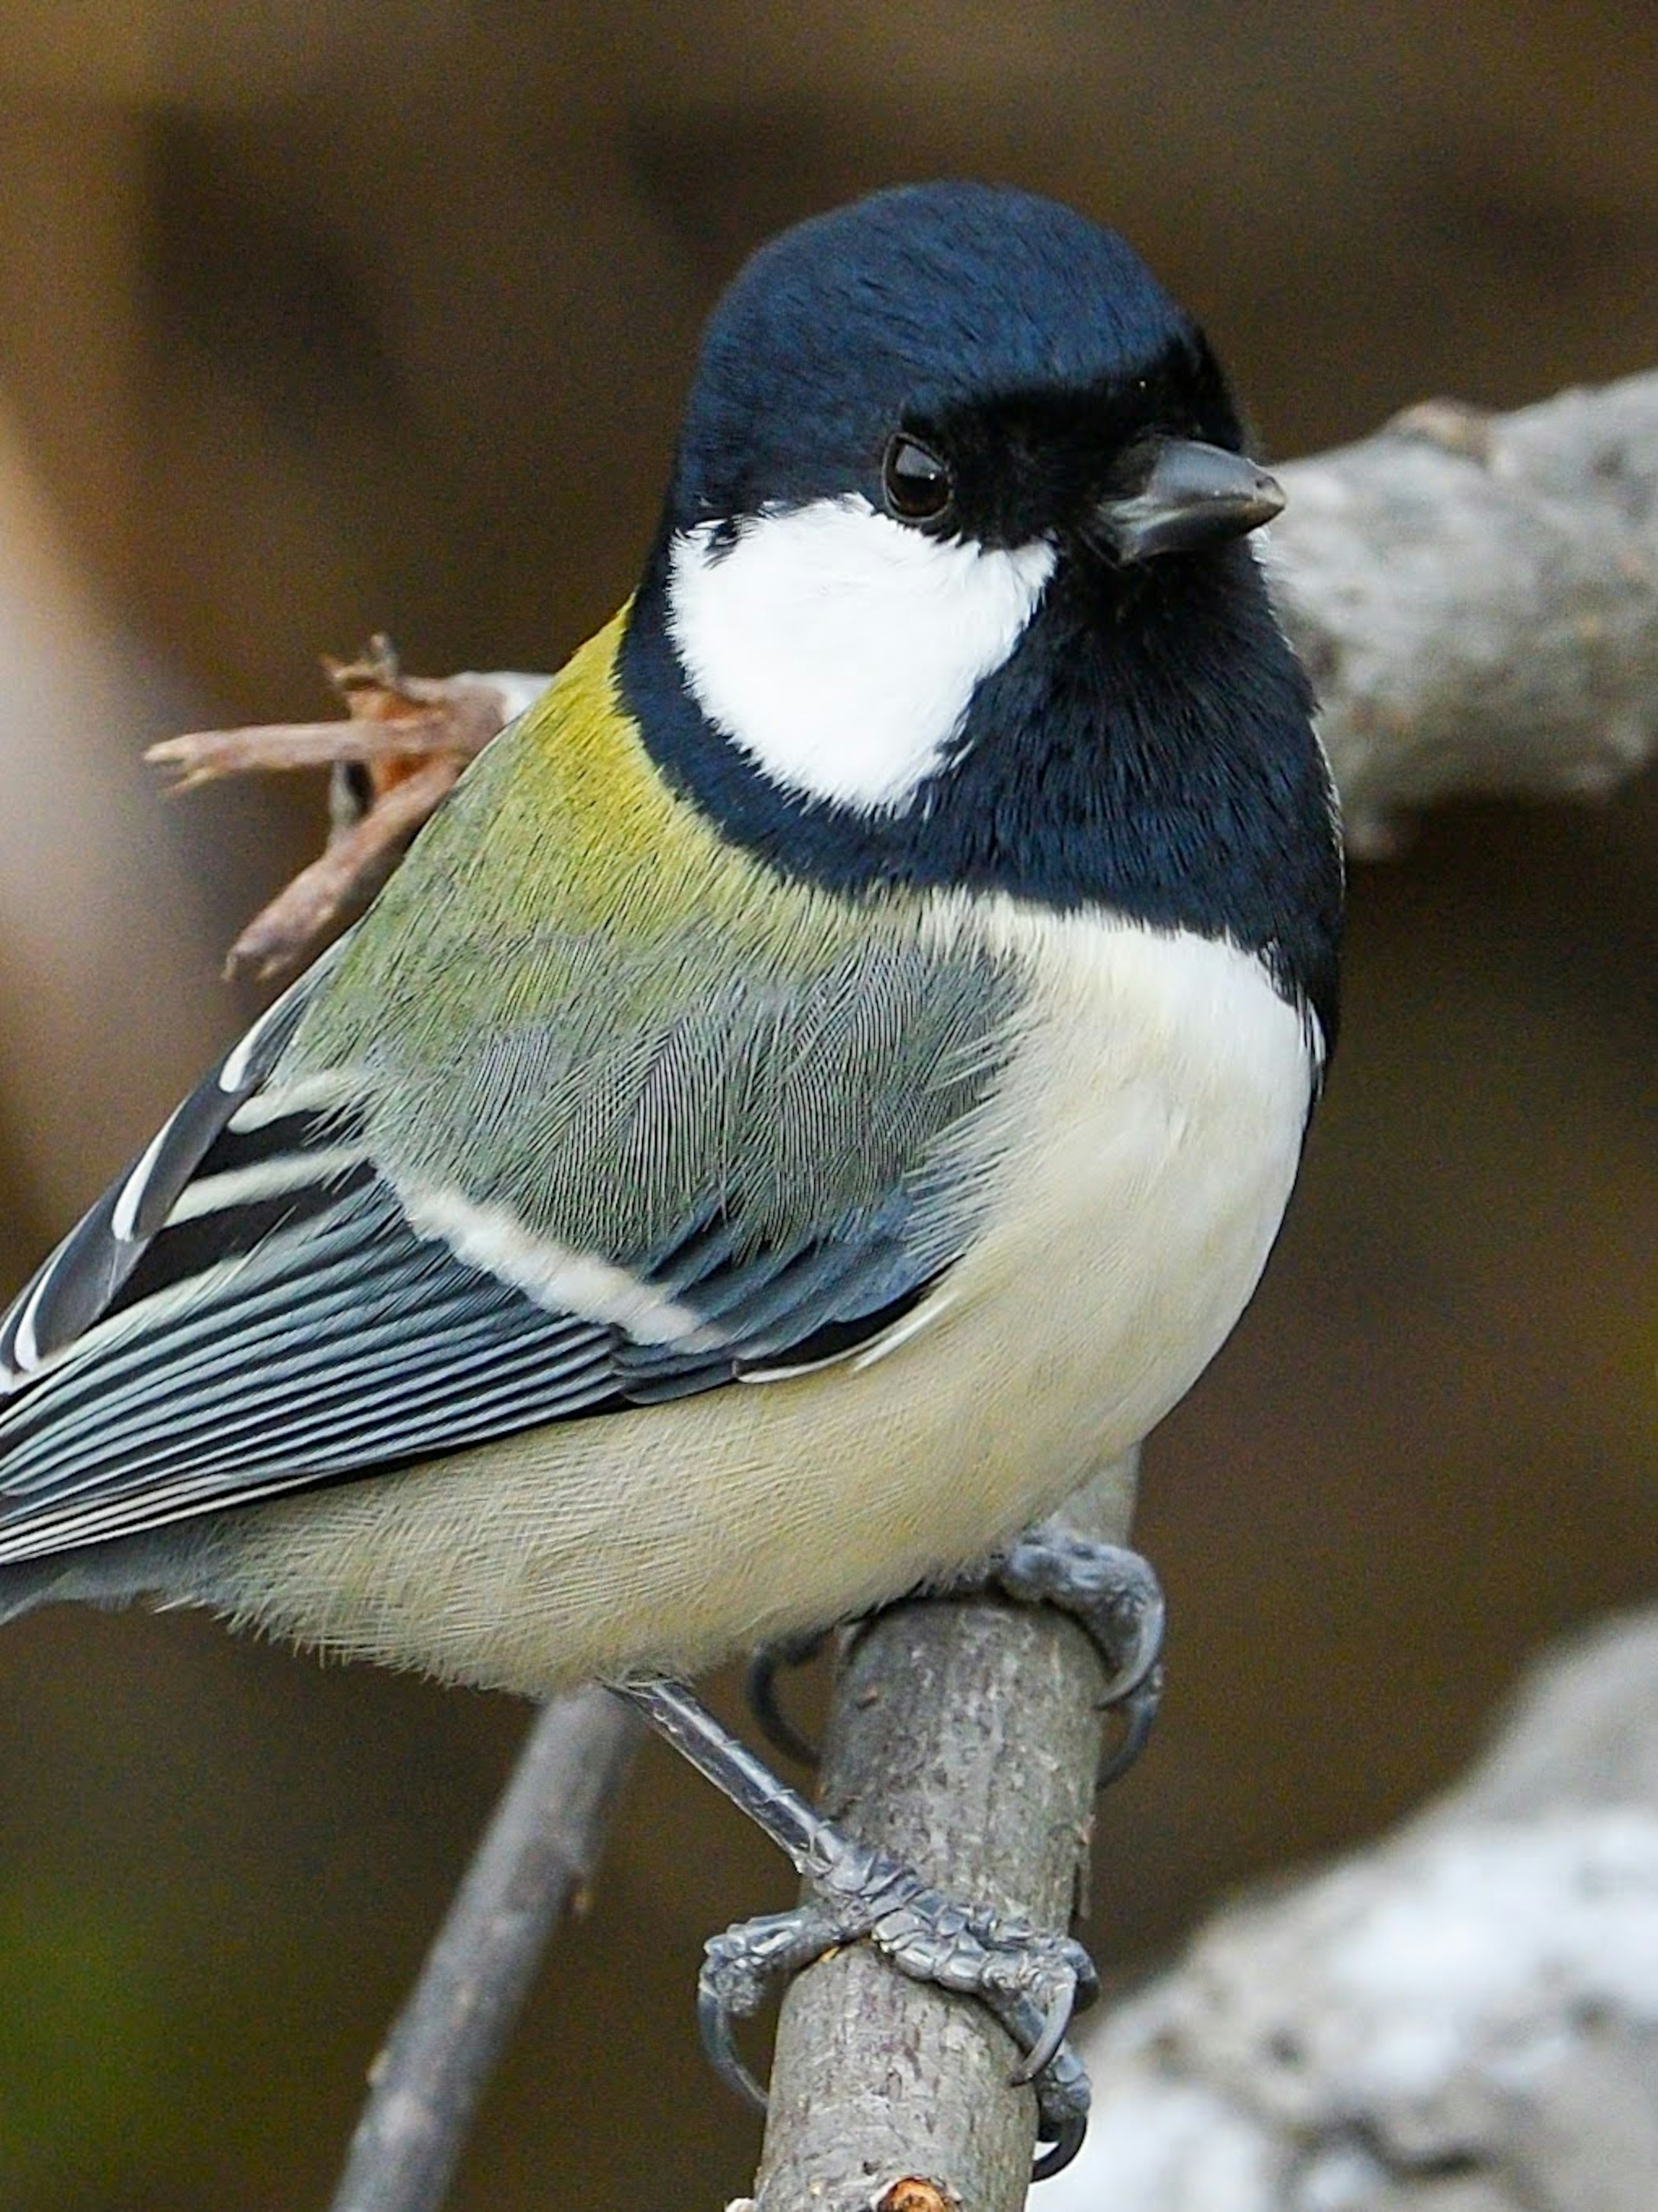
point(827, 1079)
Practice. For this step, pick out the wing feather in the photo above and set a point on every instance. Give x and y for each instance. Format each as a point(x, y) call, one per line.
point(270, 1298)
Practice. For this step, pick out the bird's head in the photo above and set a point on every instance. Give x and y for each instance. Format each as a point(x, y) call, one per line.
point(983, 365)
point(951, 590)
point(910, 417)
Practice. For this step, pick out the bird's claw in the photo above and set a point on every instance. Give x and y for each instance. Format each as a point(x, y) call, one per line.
point(1031, 1979)
point(1114, 1595)
point(1137, 1711)
point(760, 1684)
point(739, 1967)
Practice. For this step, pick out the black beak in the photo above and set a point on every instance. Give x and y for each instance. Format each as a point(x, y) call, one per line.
point(1179, 495)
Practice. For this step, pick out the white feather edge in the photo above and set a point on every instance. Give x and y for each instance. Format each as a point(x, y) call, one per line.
point(557, 1277)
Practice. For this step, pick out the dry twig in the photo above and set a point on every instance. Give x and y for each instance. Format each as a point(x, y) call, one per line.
point(394, 761)
point(537, 1855)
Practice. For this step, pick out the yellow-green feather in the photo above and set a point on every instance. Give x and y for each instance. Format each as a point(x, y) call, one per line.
point(565, 826)
point(578, 1000)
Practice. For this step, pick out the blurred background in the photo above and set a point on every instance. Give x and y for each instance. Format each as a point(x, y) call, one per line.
point(333, 316)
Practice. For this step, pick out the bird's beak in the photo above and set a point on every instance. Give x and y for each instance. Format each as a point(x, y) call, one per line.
point(1179, 495)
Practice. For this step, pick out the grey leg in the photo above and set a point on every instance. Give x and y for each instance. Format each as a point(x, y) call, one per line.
point(1031, 1979)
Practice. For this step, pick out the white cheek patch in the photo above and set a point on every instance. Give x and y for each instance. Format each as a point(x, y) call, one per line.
point(840, 650)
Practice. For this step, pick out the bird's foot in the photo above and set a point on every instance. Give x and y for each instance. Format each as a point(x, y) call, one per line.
point(1109, 1591)
point(760, 1685)
point(1032, 1980)
point(1112, 1594)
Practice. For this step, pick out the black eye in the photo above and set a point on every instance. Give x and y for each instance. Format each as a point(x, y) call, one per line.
point(915, 482)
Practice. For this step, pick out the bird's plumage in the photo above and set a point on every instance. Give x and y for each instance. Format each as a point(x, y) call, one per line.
point(633, 1160)
point(831, 1075)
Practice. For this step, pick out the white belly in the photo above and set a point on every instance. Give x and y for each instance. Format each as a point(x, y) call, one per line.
point(1152, 1123)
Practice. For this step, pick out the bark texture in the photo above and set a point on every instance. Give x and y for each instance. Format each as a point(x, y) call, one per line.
point(1476, 600)
point(964, 1736)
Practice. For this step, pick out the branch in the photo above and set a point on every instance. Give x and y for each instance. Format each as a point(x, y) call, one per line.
point(1476, 600)
point(965, 1735)
point(537, 1855)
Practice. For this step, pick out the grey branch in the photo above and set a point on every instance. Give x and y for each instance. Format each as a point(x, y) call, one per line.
point(540, 1852)
point(965, 1736)
point(1476, 597)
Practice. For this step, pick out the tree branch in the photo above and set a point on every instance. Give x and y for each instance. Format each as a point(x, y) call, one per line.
point(538, 1854)
point(965, 1736)
point(1476, 600)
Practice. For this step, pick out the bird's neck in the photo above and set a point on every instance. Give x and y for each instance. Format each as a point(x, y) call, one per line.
point(1147, 748)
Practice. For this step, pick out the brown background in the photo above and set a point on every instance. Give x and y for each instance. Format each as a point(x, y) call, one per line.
point(327, 317)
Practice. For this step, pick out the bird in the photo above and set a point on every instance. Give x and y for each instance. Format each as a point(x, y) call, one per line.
point(827, 1079)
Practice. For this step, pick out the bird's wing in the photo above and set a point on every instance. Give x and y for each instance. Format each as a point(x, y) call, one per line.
point(700, 1170)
